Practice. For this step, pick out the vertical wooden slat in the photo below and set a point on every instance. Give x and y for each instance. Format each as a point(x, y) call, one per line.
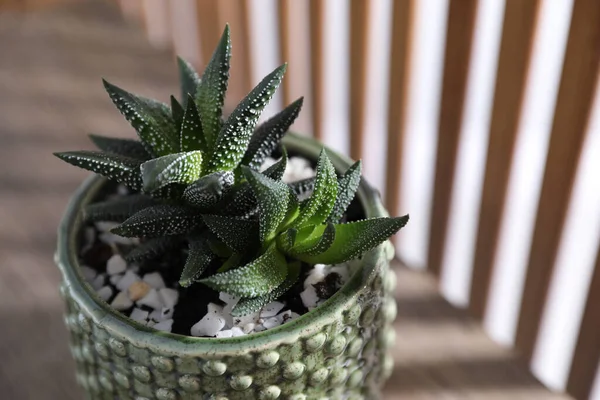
point(209, 28)
point(359, 39)
point(235, 12)
point(513, 63)
point(283, 12)
point(459, 38)
point(587, 350)
point(317, 69)
point(574, 102)
point(132, 9)
point(402, 21)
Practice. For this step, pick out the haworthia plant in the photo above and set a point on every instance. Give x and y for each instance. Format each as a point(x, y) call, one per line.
point(193, 180)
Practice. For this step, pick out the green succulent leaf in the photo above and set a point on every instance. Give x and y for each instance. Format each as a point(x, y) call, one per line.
point(320, 204)
point(199, 258)
point(177, 111)
point(152, 248)
point(151, 119)
point(122, 147)
point(208, 189)
point(257, 278)
point(249, 305)
point(173, 168)
point(189, 80)
point(273, 199)
point(317, 242)
point(302, 187)
point(235, 135)
point(160, 220)
point(277, 170)
point(355, 238)
point(287, 240)
point(191, 137)
point(347, 186)
point(210, 95)
point(237, 233)
point(118, 209)
point(268, 135)
point(115, 167)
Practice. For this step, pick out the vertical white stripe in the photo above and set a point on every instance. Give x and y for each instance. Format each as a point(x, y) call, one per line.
point(595, 392)
point(421, 128)
point(158, 29)
point(264, 47)
point(472, 149)
point(527, 172)
point(336, 74)
point(574, 267)
point(185, 30)
point(378, 66)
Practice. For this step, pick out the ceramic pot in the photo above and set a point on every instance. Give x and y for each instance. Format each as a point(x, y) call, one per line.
point(337, 351)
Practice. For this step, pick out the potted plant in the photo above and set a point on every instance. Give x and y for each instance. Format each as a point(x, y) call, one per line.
point(209, 260)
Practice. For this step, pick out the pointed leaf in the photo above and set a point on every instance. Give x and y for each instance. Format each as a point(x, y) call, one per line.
point(189, 80)
point(152, 248)
point(238, 234)
point(303, 187)
point(191, 137)
point(208, 189)
point(257, 278)
point(199, 258)
point(268, 135)
point(160, 220)
point(249, 305)
point(172, 168)
point(277, 170)
point(177, 112)
point(355, 238)
point(118, 209)
point(235, 135)
point(151, 119)
point(123, 147)
point(318, 242)
point(211, 91)
point(347, 186)
point(322, 200)
point(287, 240)
point(272, 197)
point(117, 168)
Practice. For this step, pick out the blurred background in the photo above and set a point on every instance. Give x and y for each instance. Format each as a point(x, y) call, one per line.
point(477, 117)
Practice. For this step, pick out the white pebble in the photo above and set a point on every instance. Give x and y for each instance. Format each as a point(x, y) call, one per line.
point(155, 280)
point(151, 299)
point(271, 309)
point(309, 297)
point(284, 316)
point(121, 301)
point(236, 331)
point(89, 237)
point(116, 265)
point(164, 326)
point(127, 279)
point(122, 190)
point(99, 281)
point(342, 270)
point(139, 315)
point(295, 315)
point(169, 297)
point(246, 319)
point(249, 327)
point(211, 323)
point(316, 275)
point(271, 322)
point(115, 279)
point(88, 273)
point(224, 334)
point(259, 328)
point(105, 226)
point(162, 314)
point(105, 293)
point(228, 299)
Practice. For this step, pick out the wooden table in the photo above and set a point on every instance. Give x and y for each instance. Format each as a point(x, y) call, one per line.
point(51, 63)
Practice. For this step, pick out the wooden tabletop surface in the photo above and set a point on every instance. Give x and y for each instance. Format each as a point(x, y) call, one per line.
point(51, 63)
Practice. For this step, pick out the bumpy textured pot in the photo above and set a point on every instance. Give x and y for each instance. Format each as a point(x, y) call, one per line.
point(337, 351)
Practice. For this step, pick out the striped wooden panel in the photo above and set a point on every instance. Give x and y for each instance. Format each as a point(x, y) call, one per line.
point(576, 92)
point(209, 28)
point(587, 351)
point(284, 47)
point(317, 12)
point(459, 38)
point(515, 53)
point(402, 19)
point(359, 39)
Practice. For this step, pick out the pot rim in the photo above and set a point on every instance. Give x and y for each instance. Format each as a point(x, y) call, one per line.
point(170, 343)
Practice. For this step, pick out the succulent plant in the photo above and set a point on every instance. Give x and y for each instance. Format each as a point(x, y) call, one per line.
point(194, 180)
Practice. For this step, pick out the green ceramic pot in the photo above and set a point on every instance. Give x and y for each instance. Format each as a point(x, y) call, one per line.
point(337, 351)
